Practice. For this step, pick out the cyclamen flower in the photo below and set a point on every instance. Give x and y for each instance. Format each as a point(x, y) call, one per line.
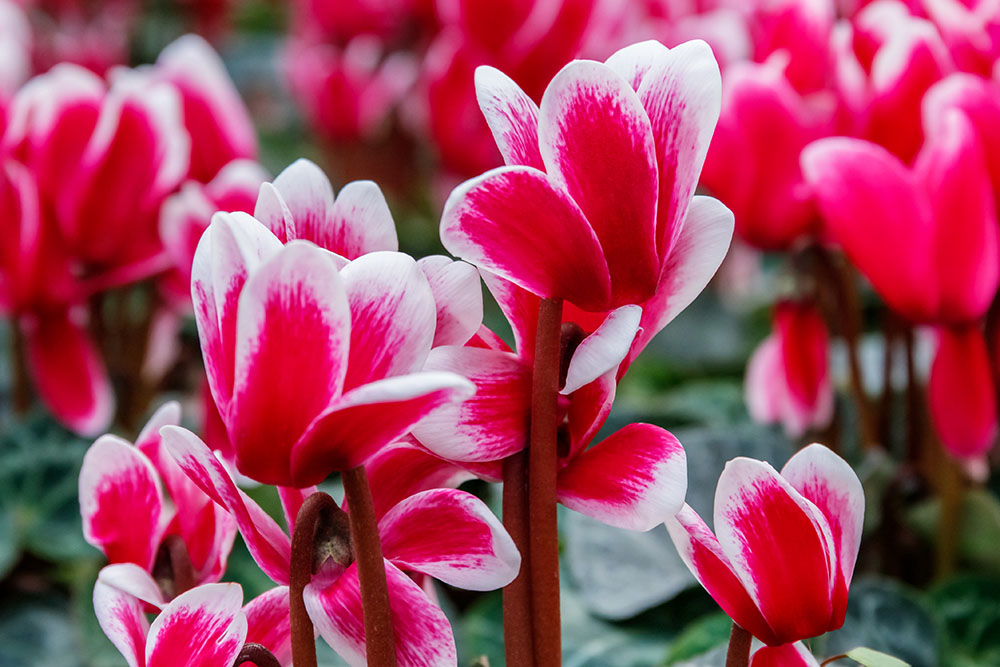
point(442, 533)
point(126, 515)
point(206, 625)
point(786, 655)
point(781, 559)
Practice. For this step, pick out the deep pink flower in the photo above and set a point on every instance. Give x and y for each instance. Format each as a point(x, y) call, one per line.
point(127, 516)
point(786, 655)
point(788, 377)
point(782, 563)
point(800, 32)
point(971, 30)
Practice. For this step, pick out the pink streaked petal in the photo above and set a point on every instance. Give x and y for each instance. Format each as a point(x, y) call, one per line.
point(763, 390)
point(961, 393)
point(267, 543)
point(370, 417)
point(307, 193)
point(682, 94)
point(206, 625)
point(68, 370)
point(149, 443)
point(491, 425)
point(120, 613)
point(597, 143)
point(786, 655)
point(423, 634)
point(291, 502)
point(291, 357)
point(633, 62)
point(121, 502)
point(589, 407)
point(236, 186)
point(133, 580)
point(830, 484)
point(773, 536)
point(393, 317)
point(452, 536)
point(604, 349)
point(520, 307)
point(514, 222)
point(401, 470)
point(360, 222)
point(273, 212)
point(695, 256)
point(634, 479)
point(458, 296)
point(702, 553)
point(869, 201)
point(511, 115)
point(804, 365)
point(268, 623)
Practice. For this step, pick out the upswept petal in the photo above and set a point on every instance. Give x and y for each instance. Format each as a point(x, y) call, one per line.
point(786, 655)
point(520, 308)
point(370, 417)
point(493, 423)
point(359, 223)
point(268, 544)
point(268, 623)
point(702, 553)
point(634, 479)
point(597, 143)
point(791, 579)
point(604, 349)
point(828, 482)
point(511, 115)
point(120, 597)
point(423, 634)
point(458, 296)
point(272, 211)
point(633, 62)
point(401, 470)
point(307, 193)
point(205, 625)
point(589, 407)
point(291, 357)
point(512, 221)
point(452, 536)
point(393, 317)
point(961, 393)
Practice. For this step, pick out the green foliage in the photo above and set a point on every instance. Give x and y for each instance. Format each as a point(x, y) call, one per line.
point(979, 534)
point(870, 658)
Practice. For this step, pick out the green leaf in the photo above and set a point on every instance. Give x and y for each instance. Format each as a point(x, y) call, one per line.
point(871, 658)
point(700, 637)
point(969, 608)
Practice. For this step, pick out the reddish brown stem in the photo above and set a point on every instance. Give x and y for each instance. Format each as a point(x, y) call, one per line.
point(543, 527)
point(21, 398)
point(739, 647)
point(181, 571)
point(300, 572)
point(517, 624)
point(257, 654)
point(951, 489)
point(379, 636)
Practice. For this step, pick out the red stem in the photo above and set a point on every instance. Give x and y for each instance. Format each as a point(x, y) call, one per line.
point(542, 472)
point(380, 640)
point(307, 521)
point(517, 623)
point(739, 647)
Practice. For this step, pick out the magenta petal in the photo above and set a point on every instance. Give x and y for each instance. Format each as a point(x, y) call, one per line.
point(423, 634)
point(450, 535)
point(68, 371)
point(458, 296)
point(360, 222)
point(370, 417)
point(401, 470)
point(268, 623)
point(961, 394)
point(306, 191)
point(514, 222)
point(120, 597)
point(597, 143)
point(291, 357)
point(121, 502)
point(511, 115)
point(786, 655)
point(773, 536)
point(604, 349)
point(206, 625)
point(291, 502)
point(267, 543)
point(633, 479)
point(493, 423)
point(272, 211)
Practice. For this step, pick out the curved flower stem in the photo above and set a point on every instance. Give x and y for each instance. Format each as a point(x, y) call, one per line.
point(257, 654)
point(380, 643)
point(543, 461)
point(739, 647)
point(303, 558)
point(181, 571)
point(517, 624)
point(21, 391)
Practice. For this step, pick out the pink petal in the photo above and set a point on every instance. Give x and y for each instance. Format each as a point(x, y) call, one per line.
point(597, 143)
point(291, 357)
point(271, 210)
point(267, 543)
point(513, 222)
point(401, 470)
point(520, 307)
point(423, 634)
point(634, 479)
point(68, 370)
point(268, 623)
point(828, 482)
point(393, 317)
point(873, 208)
point(120, 597)
point(450, 535)
point(206, 625)
point(961, 393)
point(121, 502)
point(589, 407)
point(493, 423)
point(511, 115)
point(458, 295)
point(291, 502)
point(786, 655)
point(370, 417)
point(604, 349)
point(307, 193)
point(702, 553)
point(633, 62)
point(360, 222)
point(765, 392)
point(773, 537)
